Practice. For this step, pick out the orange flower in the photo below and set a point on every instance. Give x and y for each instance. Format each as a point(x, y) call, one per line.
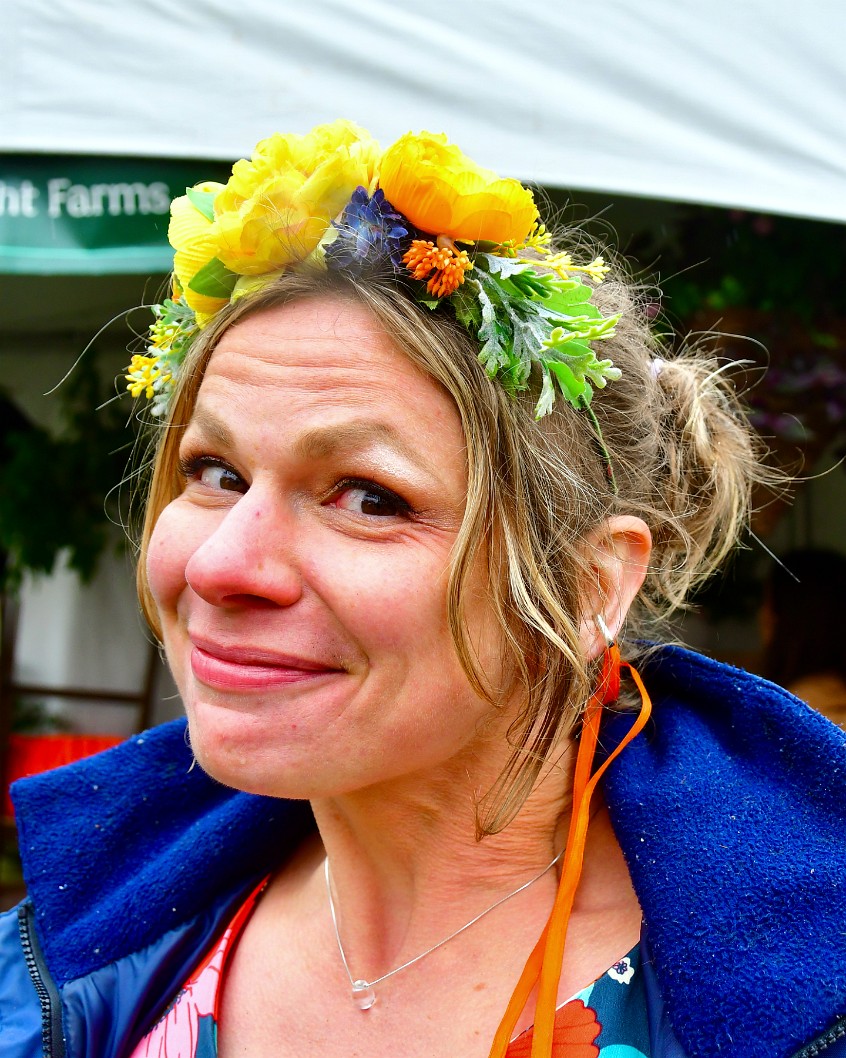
point(447, 262)
point(441, 191)
point(575, 1030)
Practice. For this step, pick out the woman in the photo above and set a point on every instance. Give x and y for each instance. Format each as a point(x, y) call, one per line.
point(390, 543)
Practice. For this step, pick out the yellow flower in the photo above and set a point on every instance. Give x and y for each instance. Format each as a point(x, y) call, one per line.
point(142, 375)
point(443, 192)
point(191, 235)
point(276, 208)
point(538, 240)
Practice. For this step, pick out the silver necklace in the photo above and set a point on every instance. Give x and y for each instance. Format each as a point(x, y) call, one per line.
point(363, 992)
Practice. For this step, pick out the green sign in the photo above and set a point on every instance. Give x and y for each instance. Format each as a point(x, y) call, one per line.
point(86, 215)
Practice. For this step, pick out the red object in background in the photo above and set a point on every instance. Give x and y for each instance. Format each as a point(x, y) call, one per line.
point(33, 754)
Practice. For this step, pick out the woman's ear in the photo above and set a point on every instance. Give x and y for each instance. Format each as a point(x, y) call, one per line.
point(618, 550)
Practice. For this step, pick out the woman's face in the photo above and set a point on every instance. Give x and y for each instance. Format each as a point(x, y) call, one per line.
point(301, 575)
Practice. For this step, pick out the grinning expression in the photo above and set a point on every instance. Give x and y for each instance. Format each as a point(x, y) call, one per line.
point(301, 574)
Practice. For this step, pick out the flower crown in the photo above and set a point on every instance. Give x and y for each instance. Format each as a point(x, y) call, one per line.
point(452, 232)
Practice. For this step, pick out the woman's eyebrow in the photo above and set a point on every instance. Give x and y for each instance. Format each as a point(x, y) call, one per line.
point(322, 442)
point(212, 428)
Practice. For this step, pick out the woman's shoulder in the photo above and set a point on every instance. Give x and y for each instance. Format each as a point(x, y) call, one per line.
point(699, 697)
point(730, 815)
point(162, 843)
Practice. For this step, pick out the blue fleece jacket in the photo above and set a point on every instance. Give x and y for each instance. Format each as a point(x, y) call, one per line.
point(729, 809)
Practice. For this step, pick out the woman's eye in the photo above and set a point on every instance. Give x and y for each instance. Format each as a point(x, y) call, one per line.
point(363, 497)
point(213, 473)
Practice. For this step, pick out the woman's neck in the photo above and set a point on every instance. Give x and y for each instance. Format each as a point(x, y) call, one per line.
point(407, 872)
point(407, 869)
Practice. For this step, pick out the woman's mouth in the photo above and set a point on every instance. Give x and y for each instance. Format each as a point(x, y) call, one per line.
point(243, 668)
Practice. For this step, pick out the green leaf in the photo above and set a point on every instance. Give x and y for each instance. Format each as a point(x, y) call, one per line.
point(570, 299)
point(530, 285)
point(525, 320)
point(494, 353)
point(202, 201)
point(572, 387)
point(214, 280)
point(502, 266)
point(465, 302)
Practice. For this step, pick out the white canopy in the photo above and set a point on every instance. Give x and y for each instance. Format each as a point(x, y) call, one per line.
point(731, 102)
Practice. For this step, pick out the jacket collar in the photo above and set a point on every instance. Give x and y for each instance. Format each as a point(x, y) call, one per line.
point(728, 809)
point(119, 848)
point(730, 812)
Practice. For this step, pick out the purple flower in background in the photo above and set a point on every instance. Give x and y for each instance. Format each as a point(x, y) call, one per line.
point(801, 398)
point(369, 232)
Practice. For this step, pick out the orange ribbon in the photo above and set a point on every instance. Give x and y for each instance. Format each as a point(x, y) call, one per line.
point(543, 967)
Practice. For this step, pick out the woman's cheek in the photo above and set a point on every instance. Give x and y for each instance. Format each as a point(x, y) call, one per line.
point(167, 556)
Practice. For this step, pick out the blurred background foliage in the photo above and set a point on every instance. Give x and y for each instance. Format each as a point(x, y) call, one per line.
point(779, 282)
point(59, 487)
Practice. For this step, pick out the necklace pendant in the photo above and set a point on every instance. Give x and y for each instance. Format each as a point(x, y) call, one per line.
point(364, 995)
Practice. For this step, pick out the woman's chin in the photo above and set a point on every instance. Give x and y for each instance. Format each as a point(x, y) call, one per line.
point(245, 755)
point(234, 748)
point(254, 773)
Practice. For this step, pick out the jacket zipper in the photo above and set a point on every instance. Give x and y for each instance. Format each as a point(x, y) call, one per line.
point(823, 1042)
point(52, 1036)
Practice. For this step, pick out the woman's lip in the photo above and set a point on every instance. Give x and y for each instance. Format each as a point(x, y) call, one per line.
point(235, 669)
point(253, 655)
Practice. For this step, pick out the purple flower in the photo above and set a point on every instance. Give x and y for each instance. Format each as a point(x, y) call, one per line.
point(370, 232)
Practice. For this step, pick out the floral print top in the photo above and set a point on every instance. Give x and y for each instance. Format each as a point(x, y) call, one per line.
point(605, 1020)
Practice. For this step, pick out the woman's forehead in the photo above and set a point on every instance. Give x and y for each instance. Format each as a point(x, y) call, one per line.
point(325, 373)
point(332, 340)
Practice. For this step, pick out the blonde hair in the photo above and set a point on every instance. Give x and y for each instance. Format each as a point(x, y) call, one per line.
point(683, 457)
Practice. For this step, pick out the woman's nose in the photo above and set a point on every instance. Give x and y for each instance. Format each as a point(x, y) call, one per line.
point(250, 557)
